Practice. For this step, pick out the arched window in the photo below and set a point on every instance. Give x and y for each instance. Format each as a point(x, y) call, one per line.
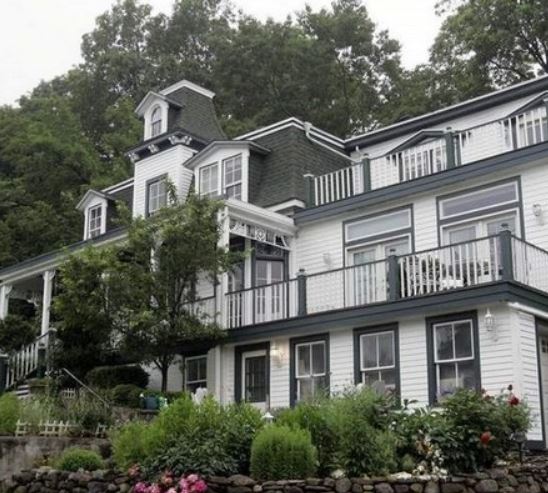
point(156, 122)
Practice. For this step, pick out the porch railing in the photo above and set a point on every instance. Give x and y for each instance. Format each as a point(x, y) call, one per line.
point(458, 266)
point(28, 360)
point(434, 155)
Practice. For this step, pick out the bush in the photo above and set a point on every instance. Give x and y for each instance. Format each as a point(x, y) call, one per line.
point(9, 414)
point(15, 332)
point(130, 444)
point(185, 437)
point(314, 417)
point(280, 452)
point(127, 395)
point(108, 377)
point(75, 459)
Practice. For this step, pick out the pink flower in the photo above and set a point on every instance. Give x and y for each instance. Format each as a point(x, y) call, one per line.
point(200, 486)
point(192, 478)
point(167, 480)
point(155, 488)
point(171, 490)
point(183, 484)
point(140, 487)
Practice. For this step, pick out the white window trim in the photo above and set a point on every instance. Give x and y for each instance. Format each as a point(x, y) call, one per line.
point(453, 323)
point(473, 211)
point(238, 182)
point(378, 368)
point(213, 192)
point(350, 250)
point(379, 216)
point(444, 228)
point(194, 358)
point(164, 107)
point(311, 374)
point(103, 205)
point(149, 184)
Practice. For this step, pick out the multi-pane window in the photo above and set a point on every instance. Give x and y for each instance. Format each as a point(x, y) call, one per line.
point(209, 180)
point(378, 360)
point(195, 373)
point(95, 221)
point(156, 195)
point(310, 369)
point(156, 122)
point(255, 378)
point(480, 200)
point(232, 168)
point(454, 357)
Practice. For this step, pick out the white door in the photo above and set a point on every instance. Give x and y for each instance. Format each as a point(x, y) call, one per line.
point(270, 299)
point(255, 378)
point(366, 282)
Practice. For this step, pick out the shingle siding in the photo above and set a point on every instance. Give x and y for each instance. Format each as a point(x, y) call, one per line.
point(197, 115)
point(292, 156)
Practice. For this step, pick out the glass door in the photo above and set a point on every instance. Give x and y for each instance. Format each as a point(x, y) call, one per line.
point(366, 281)
point(269, 298)
point(254, 378)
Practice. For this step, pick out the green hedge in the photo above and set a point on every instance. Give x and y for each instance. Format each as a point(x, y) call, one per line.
point(75, 459)
point(127, 394)
point(281, 452)
point(9, 414)
point(108, 377)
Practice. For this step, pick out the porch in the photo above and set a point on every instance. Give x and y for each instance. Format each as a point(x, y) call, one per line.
point(457, 267)
point(430, 152)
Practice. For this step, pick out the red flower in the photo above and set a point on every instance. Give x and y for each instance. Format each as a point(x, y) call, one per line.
point(486, 437)
point(513, 400)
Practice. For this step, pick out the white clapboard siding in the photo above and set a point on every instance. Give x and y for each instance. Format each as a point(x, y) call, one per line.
point(167, 162)
point(413, 361)
point(534, 182)
point(529, 384)
point(341, 360)
point(279, 374)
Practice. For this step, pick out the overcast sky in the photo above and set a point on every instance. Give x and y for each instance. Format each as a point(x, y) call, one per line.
point(41, 38)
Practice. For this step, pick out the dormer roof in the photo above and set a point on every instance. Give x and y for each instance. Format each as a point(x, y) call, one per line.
point(91, 194)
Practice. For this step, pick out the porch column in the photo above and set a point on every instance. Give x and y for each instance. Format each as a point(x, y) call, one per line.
point(5, 291)
point(46, 300)
point(222, 284)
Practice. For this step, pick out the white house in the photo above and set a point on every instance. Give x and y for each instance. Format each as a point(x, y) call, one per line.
point(414, 255)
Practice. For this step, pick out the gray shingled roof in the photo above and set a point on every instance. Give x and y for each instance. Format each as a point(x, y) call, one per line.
point(196, 115)
point(278, 177)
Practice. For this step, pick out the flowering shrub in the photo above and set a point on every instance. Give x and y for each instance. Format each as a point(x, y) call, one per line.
point(168, 483)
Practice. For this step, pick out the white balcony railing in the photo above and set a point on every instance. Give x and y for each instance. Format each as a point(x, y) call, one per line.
point(432, 156)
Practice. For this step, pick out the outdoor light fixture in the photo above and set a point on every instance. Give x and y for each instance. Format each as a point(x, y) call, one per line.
point(268, 417)
point(490, 324)
point(537, 210)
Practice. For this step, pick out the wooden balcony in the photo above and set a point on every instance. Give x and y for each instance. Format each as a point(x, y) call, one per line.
point(460, 266)
point(435, 153)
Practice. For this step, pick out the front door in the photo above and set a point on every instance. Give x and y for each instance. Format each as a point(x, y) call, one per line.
point(255, 378)
point(270, 296)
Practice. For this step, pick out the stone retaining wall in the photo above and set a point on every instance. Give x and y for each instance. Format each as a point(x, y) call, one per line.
point(528, 478)
point(19, 453)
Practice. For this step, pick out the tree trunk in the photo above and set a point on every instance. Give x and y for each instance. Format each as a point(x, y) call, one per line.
point(164, 370)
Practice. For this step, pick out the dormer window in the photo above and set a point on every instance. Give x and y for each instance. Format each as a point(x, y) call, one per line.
point(95, 221)
point(228, 184)
point(156, 122)
point(156, 195)
point(232, 168)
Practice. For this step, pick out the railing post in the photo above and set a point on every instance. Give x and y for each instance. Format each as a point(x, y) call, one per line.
point(41, 364)
point(393, 277)
point(3, 372)
point(366, 172)
point(309, 192)
point(507, 259)
point(301, 293)
point(450, 148)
